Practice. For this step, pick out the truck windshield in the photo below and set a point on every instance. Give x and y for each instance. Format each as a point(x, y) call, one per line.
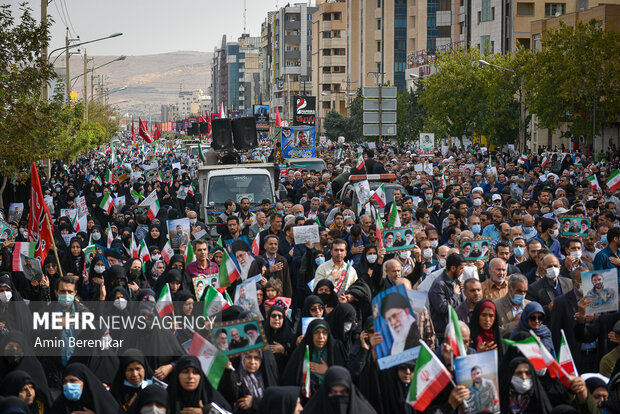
point(308, 165)
point(256, 187)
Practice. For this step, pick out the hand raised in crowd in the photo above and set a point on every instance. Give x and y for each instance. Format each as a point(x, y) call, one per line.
point(277, 348)
point(162, 372)
point(486, 346)
point(317, 368)
point(459, 394)
point(276, 267)
point(193, 410)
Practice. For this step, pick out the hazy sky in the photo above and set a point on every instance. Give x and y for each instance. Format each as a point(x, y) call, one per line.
point(153, 26)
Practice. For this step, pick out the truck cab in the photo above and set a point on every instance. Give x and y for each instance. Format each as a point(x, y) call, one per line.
point(316, 164)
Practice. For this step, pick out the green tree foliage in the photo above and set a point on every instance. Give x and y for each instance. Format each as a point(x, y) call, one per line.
point(335, 125)
point(575, 76)
point(356, 116)
point(33, 128)
point(410, 113)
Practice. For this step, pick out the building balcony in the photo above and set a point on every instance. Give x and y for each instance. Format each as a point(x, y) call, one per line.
point(334, 43)
point(326, 25)
point(333, 60)
point(412, 11)
point(333, 78)
point(377, 13)
point(378, 35)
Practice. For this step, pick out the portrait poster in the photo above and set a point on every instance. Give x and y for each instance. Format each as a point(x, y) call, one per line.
point(67, 238)
point(362, 189)
point(298, 142)
point(600, 288)
point(179, 231)
point(245, 296)
point(202, 283)
point(241, 254)
point(237, 337)
point(478, 372)
point(31, 267)
point(574, 226)
point(478, 249)
point(70, 213)
point(427, 144)
point(395, 320)
point(398, 239)
point(182, 192)
point(120, 202)
point(15, 212)
point(5, 231)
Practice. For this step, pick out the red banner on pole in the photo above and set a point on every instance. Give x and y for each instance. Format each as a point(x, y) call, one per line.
point(39, 229)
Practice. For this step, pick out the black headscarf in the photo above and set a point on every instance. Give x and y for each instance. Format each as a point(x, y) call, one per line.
point(335, 355)
point(329, 299)
point(180, 398)
point(309, 302)
point(285, 336)
point(94, 395)
point(321, 402)
point(539, 402)
point(12, 405)
point(343, 313)
point(13, 383)
point(123, 393)
point(151, 394)
point(279, 400)
point(159, 242)
point(362, 265)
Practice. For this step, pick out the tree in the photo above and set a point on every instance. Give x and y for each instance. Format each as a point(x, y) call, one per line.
point(410, 113)
point(451, 97)
point(356, 117)
point(335, 125)
point(575, 78)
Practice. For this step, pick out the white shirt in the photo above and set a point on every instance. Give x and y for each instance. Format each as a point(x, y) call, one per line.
point(324, 271)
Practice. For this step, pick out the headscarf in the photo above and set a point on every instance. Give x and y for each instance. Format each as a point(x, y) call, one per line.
point(266, 375)
point(94, 395)
point(329, 299)
point(152, 393)
point(123, 393)
point(343, 313)
point(542, 332)
point(13, 383)
point(159, 242)
point(13, 405)
point(538, 403)
point(180, 398)
point(285, 335)
point(479, 335)
point(279, 400)
point(321, 402)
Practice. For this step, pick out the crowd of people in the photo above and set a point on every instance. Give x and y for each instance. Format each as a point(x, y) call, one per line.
point(485, 238)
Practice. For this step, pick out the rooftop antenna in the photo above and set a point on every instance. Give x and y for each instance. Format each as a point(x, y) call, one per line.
point(245, 9)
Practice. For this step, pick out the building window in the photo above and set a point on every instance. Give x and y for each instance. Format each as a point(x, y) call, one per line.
point(378, 46)
point(523, 42)
point(555, 9)
point(327, 17)
point(485, 12)
point(378, 4)
point(378, 24)
point(525, 9)
point(485, 46)
point(536, 43)
point(337, 16)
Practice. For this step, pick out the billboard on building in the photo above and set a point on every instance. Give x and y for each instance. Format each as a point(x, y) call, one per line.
point(261, 114)
point(305, 111)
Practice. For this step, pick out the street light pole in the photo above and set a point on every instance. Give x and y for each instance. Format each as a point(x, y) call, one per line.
point(67, 57)
point(44, 89)
point(85, 87)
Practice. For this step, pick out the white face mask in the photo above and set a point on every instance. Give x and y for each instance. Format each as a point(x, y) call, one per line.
point(155, 257)
point(120, 303)
point(99, 269)
point(348, 228)
point(521, 385)
point(434, 243)
point(152, 410)
point(404, 255)
point(553, 273)
point(6, 296)
point(371, 258)
point(347, 326)
point(427, 253)
point(192, 221)
point(555, 233)
point(477, 202)
point(96, 236)
point(442, 263)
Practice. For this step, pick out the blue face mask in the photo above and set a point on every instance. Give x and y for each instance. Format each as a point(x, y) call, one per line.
point(142, 385)
point(518, 299)
point(519, 252)
point(476, 228)
point(71, 391)
point(527, 229)
point(319, 260)
point(604, 239)
point(66, 300)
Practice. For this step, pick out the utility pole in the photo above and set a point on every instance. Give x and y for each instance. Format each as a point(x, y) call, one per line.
point(67, 57)
point(85, 87)
point(44, 90)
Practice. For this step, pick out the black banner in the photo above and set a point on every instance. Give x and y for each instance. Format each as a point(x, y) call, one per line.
point(305, 111)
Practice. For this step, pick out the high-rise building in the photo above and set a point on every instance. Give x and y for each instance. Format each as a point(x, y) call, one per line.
point(291, 51)
point(192, 103)
point(266, 66)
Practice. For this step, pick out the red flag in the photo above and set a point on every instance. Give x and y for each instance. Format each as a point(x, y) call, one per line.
point(39, 228)
point(157, 134)
point(133, 131)
point(209, 132)
point(143, 132)
point(278, 119)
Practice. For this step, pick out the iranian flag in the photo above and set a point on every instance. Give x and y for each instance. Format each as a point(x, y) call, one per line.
point(306, 373)
point(164, 304)
point(360, 162)
point(613, 183)
point(201, 154)
point(530, 350)
point(342, 280)
point(228, 271)
point(594, 182)
point(553, 367)
point(212, 361)
point(379, 196)
point(544, 161)
point(256, 245)
point(79, 223)
point(214, 302)
point(110, 236)
point(565, 359)
point(393, 219)
point(109, 177)
point(25, 248)
point(167, 252)
point(153, 203)
point(340, 154)
point(107, 202)
point(133, 248)
point(153, 210)
point(454, 336)
point(523, 159)
point(189, 254)
point(429, 379)
point(145, 255)
point(380, 232)
point(190, 190)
